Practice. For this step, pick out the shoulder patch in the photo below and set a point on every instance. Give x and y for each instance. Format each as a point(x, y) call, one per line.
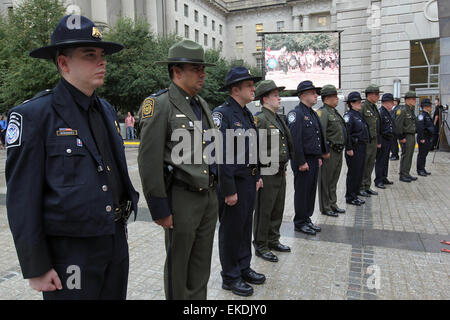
point(347, 118)
point(160, 92)
point(217, 118)
point(291, 117)
point(256, 121)
point(14, 131)
point(319, 112)
point(399, 112)
point(148, 108)
point(420, 117)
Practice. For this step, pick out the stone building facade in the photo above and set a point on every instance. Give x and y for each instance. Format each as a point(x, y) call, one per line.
point(393, 43)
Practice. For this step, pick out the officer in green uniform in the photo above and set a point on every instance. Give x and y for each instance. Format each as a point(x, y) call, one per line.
point(180, 191)
point(335, 133)
point(405, 124)
point(270, 199)
point(371, 114)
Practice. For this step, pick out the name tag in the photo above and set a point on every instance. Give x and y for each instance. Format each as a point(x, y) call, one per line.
point(180, 116)
point(62, 132)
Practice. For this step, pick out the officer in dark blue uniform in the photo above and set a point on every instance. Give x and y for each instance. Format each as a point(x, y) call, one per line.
point(239, 179)
point(309, 149)
point(425, 130)
point(394, 148)
point(358, 131)
point(387, 133)
point(69, 192)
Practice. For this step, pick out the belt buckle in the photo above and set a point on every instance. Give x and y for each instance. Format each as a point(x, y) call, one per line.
point(253, 171)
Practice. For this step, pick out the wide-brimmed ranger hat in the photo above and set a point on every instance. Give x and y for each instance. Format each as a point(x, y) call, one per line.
point(75, 31)
point(186, 51)
point(425, 102)
point(354, 96)
point(307, 85)
point(238, 74)
point(372, 88)
point(387, 97)
point(410, 94)
point(265, 87)
point(328, 90)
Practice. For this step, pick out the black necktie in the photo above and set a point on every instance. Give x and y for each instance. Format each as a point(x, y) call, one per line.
point(196, 109)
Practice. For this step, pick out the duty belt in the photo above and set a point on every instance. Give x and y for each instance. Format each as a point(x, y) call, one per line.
point(336, 146)
point(253, 169)
point(281, 168)
point(123, 211)
point(212, 183)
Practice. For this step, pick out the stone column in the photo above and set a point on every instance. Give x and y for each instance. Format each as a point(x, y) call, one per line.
point(296, 23)
point(99, 11)
point(306, 26)
point(444, 29)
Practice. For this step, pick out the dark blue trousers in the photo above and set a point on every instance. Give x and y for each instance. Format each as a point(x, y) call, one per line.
point(305, 187)
point(382, 160)
point(355, 171)
point(94, 268)
point(424, 148)
point(235, 230)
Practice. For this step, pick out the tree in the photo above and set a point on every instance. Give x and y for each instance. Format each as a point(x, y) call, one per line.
point(27, 27)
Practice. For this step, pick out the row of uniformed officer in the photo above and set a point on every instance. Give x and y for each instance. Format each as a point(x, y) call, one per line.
point(69, 194)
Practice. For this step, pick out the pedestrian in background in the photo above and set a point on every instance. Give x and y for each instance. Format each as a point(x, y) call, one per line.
point(3, 125)
point(129, 124)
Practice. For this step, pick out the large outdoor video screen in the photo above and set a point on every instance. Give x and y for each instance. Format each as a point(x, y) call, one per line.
point(293, 57)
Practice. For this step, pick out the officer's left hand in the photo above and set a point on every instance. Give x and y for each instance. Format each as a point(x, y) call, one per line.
point(326, 156)
point(259, 184)
point(320, 163)
point(422, 141)
point(379, 146)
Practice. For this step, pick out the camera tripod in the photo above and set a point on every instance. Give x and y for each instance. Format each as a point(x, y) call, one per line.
point(442, 131)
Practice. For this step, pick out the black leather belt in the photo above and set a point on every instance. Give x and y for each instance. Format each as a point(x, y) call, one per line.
point(123, 211)
point(253, 169)
point(212, 183)
point(281, 168)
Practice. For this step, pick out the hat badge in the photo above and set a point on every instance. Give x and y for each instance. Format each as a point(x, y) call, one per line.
point(96, 33)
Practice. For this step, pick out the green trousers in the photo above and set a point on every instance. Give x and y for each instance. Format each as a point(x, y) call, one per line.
point(369, 164)
point(189, 244)
point(269, 212)
point(407, 154)
point(328, 178)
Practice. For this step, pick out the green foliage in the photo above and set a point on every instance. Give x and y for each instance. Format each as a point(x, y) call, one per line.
point(27, 27)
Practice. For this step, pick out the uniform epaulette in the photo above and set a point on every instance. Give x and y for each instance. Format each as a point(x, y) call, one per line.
point(160, 92)
point(258, 113)
point(39, 95)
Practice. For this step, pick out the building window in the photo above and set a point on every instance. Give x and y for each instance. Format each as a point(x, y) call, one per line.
point(239, 47)
point(196, 15)
point(196, 36)
point(186, 11)
point(176, 5)
point(280, 26)
point(322, 21)
point(258, 45)
point(186, 31)
point(425, 62)
point(259, 27)
point(176, 27)
point(205, 21)
point(213, 25)
point(205, 39)
point(220, 45)
point(214, 43)
point(220, 29)
point(259, 63)
point(239, 31)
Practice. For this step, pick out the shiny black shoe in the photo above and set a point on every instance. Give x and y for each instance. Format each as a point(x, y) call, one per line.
point(305, 229)
point(394, 158)
point(372, 192)
point(412, 178)
point(268, 256)
point(330, 214)
point(354, 202)
point(338, 210)
point(361, 201)
point(386, 181)
point(428, 173)
point(280, 248)
point(363, 194)
point(239, 288)
point(404, 179)
point(380, 185)
point(422, 173)
point(253, 277)
point(314, 227)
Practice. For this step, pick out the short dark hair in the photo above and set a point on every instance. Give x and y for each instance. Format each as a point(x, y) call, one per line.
point(171, 66)
point(437, 99)
point(237, 84)
point(67, 52)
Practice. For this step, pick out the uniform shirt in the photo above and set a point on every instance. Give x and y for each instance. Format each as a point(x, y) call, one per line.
point(333, 125)
point(109, 161)
point(231, 115)
point(387, 127)
point(424, 125)
point(372, 116)
point(358, 129)
point(275, 126)
point(405, 121)
point(307, 134)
